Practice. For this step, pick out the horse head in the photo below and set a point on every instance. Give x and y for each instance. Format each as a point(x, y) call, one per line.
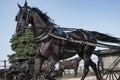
point(23, 18)
point(27, 15)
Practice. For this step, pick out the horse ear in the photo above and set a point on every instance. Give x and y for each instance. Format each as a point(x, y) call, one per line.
point(19, 5)
point(25, 4)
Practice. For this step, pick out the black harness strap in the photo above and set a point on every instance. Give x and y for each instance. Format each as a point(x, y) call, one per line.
point(86, 42)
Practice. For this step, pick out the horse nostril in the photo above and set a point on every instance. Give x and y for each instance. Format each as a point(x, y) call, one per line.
point(17, 30)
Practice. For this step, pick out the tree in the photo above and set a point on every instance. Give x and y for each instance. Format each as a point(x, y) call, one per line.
point(22, 45)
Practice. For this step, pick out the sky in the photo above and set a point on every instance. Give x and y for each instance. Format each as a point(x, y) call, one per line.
point(94, 15)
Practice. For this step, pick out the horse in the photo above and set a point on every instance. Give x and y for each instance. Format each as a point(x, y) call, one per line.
point(52, 49)
point(67, 64)
point(71, 64)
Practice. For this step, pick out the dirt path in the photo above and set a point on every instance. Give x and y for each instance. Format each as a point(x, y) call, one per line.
point(87, 78)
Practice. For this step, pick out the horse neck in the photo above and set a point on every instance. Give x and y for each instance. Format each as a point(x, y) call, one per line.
point(38, 24)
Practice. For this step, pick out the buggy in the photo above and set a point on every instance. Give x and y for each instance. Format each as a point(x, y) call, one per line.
point(109, 63)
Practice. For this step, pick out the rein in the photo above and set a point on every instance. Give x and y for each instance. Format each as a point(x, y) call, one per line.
point(49, 30)
point(62, 28)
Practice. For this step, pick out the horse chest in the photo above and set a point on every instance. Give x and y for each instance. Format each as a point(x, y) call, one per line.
point(43, 47)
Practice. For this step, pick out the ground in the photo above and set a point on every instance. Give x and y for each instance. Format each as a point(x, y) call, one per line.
point(87, 78)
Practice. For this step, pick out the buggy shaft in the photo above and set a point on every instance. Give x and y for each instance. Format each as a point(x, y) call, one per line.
point(86, 42)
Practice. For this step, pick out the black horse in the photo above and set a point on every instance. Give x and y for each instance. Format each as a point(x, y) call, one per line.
point(50, 48)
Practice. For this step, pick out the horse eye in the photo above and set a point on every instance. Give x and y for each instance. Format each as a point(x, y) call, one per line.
point(24, 15)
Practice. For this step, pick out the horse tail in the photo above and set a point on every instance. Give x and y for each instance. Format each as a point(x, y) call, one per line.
point(105, 37)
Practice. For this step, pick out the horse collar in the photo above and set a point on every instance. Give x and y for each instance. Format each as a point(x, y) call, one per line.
point(44, 35)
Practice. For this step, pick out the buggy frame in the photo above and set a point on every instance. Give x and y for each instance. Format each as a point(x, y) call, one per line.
point(109, 63)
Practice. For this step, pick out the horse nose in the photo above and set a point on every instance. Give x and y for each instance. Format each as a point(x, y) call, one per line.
point(17, 30)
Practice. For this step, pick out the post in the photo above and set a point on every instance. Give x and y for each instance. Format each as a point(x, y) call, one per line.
point(5, 70)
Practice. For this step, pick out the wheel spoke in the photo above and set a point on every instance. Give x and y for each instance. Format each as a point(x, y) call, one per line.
point(118, 75)
point(110, 75)
point(107, 75)
point(104, 73)
point(115, 75)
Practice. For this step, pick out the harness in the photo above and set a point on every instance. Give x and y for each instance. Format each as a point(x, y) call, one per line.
point(44, 35)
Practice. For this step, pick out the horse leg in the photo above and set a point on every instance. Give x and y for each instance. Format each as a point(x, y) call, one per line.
point(49, 69)
point(75, 71)
point(93, 65)
point(38, 64)
point(87, 54)
point(86, 68)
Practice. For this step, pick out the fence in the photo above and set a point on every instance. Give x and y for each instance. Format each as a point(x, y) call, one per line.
point(3, 69)
point(70, 72)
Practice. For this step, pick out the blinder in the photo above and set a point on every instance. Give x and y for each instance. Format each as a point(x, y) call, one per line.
point(28, 17)
point(24, 15)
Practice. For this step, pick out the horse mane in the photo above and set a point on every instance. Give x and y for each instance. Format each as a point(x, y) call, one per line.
point(44, 17)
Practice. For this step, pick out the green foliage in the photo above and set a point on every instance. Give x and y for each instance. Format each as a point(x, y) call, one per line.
point(22, 45)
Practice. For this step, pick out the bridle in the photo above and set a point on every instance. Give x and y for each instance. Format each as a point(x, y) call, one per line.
point(44, 35)
point(28, 15)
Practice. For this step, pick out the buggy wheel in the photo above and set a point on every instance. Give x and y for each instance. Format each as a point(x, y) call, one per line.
point(108, 74)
